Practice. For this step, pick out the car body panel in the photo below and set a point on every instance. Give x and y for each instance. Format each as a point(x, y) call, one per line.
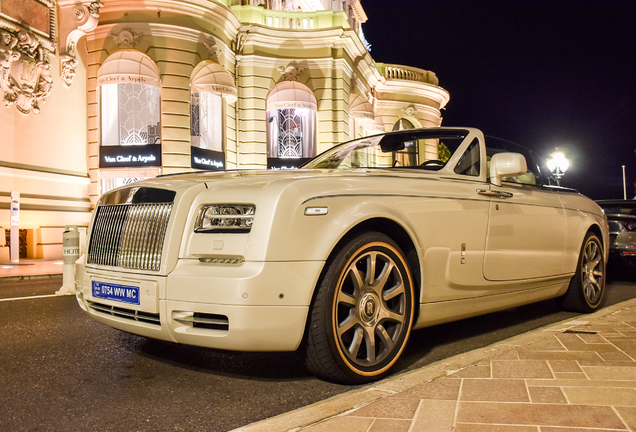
point(621, 216)
point(514, 249)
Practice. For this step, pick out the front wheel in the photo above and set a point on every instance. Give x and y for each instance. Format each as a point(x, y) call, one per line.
point(362, 315)
point(587, 287)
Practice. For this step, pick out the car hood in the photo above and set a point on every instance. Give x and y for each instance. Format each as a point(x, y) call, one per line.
point(255, 178)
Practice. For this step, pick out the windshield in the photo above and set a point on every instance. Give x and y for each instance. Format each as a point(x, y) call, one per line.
point(620, 209)
point(424, 149)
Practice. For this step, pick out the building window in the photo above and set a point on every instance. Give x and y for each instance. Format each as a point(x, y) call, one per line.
point(362, 121)
point(402, 124)
point(211, 88)
point(408, 156)
point(291, 125)
point(291, 131)
point(206, 121)
point(131, 114)
point(130, 111)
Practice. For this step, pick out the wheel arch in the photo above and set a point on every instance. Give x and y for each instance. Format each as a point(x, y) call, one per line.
point(598, 231)
point(396, 232)
point(594, 228)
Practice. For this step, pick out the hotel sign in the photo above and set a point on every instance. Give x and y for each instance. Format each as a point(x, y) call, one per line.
point(130, 156)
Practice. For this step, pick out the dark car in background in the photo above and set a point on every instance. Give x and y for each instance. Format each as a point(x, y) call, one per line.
point(621, 216)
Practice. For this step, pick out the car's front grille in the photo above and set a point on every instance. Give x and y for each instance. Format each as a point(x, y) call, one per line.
point(130, 314)
point(129, 235)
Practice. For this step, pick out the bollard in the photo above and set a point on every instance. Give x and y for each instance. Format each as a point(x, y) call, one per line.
point(71, 253)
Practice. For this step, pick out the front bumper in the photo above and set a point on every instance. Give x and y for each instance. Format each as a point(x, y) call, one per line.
point(258, 306)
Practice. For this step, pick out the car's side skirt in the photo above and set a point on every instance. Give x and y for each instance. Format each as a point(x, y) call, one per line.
point(441, 312)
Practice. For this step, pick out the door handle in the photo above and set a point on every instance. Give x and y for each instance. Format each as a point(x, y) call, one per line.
point(496, 194)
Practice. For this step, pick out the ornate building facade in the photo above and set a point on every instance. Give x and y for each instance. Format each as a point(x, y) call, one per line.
point(98, 94)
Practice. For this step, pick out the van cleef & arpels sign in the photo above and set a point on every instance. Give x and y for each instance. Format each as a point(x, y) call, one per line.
point(130, 156)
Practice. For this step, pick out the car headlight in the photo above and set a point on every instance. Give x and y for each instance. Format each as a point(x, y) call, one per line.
point(228, 218)
point(630, 226)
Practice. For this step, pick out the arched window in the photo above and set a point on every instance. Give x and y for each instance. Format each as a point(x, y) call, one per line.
point(206, 121)
point(130, 100)
point(408, 156)
point(402, 124)
point(361, 117)
point(130, 114)
point(211, 85)
point(291, 125)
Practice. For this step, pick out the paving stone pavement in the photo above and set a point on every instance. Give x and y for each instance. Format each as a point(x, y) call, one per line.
point(575, 376)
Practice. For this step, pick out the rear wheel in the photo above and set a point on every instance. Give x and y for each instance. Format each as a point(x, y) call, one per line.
point(362, 315)
point(587, 287)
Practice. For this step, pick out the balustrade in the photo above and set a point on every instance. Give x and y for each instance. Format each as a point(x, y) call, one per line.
point(290, 20)
point(398, 72)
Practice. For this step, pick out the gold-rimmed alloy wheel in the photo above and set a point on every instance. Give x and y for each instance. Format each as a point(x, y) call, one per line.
point(369, 308)
point(362, 313)
point(587, 286)
point(593, 272)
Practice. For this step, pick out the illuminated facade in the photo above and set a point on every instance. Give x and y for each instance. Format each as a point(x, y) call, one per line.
point(123, 90)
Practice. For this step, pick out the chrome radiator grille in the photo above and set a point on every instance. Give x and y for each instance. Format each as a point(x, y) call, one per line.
point(129, 235)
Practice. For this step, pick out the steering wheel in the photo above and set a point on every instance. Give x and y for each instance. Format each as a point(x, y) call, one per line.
point(433, 163)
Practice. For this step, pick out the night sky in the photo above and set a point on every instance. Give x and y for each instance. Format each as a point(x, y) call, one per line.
point(541, 73)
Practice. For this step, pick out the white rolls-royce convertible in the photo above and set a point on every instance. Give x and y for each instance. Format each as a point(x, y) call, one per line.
point(342, 259)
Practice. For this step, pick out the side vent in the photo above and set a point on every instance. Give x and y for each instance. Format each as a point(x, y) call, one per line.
point(129, 314)
point(202, 320)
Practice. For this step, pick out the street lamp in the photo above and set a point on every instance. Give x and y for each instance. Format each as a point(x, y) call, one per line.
point(624, 185)
point(558, 165)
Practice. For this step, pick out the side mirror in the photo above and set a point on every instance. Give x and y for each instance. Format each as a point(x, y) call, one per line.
point(506, 165)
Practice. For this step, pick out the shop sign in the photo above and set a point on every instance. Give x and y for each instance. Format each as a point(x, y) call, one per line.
point(291, 105)
point(285, 163)
point(127, 79)
point(130, 156)
point(207, 159)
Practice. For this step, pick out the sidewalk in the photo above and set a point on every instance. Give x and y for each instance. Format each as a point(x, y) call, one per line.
point(29, 268)
point(575, 376)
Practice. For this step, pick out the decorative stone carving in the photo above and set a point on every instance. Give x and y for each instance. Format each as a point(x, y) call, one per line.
point(87, 17)
point(409, 111)
point(69, 68)
point(94, 7)
point(25, 72)
point(126, 38)
point(213, 50)
point(290, 72)
point(354, 82)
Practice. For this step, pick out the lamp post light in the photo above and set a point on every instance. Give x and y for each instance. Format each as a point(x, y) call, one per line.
point(558, 165)
point(624, 184)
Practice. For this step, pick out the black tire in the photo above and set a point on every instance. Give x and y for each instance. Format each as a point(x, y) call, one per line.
point(587, 287)
point(360, 320)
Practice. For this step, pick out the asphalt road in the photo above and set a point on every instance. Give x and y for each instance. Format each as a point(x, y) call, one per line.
point(61, 371)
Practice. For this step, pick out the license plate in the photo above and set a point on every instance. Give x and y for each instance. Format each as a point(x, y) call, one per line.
point(114, 292)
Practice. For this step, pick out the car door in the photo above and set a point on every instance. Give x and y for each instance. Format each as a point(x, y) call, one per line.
point(526, 226)
point(526, 234)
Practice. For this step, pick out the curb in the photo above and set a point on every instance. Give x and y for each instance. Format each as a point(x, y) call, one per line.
point(25, 277)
